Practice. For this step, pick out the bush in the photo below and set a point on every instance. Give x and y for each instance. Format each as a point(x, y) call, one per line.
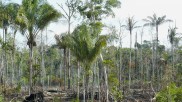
point(1, 98)
point(170, 93)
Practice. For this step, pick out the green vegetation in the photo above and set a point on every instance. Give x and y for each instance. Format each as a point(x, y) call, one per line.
point(88, 61)
point(171, 93)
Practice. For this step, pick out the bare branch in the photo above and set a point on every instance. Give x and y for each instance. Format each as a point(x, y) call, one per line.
point(64, 11)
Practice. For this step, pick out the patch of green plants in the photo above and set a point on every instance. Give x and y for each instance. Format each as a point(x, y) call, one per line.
point(171, 93)
point(56, 99)
point(76, 100)
point(1, 98)
point(117, 94)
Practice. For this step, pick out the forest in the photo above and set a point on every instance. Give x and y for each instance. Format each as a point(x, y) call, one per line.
point(88, 63)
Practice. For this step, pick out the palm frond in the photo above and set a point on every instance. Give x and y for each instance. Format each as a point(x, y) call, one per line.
point(101, 42)
point(47, 14)
point(148, 24)
point(147, 20)
point(171, 34)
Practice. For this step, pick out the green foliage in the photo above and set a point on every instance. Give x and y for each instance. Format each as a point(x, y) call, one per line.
point(109, 63)
point(1, 98)
point(155, 21)
point(170, 93)
point(113, 3)
point(117, 94)
point(113, 79)
point(37, 72)
point(130, 24)
point(76, 100)
point(33, 16)
point(98, 9)
point(18, 88)
point(172, 34)
point(56, 99)
point(114, 83)
point(84, 47)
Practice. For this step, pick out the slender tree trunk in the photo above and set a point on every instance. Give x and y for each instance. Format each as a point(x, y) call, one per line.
point(130, 60)
point(69, 53)
point(52, 72)
point(136, 57)
point(43, 72)
point(19, 67)
point(31, 68)
point(172, 48)
point(120, 67)
point(65, 61)
point(156, 60)
point(83, 87)
point(12, 68)
point(69, 70)
point(141, 58)
point(98, 81)
point(93, 82)
point(106, 81)
point(13, 55)
point(5, 54)
point(153, 60)
point(78, 79)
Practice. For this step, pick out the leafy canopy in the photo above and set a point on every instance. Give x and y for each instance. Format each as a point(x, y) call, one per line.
point(33, 16)
point(84, 47)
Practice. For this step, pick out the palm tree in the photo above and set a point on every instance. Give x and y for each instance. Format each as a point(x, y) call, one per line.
point(8, 14)
point(12, 9)
point(130, 26)
point(33, 16)
point(69, 15)
point(155, 21)
point(85, 48)
point(171, 35)
point(63, 43)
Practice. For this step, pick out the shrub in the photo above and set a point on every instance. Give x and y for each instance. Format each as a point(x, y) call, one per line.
point(170, 93)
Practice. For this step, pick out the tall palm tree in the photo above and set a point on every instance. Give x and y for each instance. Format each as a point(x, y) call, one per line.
point(69, 13)
point(85, 48)
point(8, 14)
point(12, 9)
point(62, 42)
point(155, 21)
point(33, 16)
point(130, 26)
point(171, 35)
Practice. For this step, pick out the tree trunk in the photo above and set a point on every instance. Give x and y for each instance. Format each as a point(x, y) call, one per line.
point(153, 59)
point(13, 55)
point(65, 60)
point(156, 60)
point(99, 91)
point(78, 79)
point(43, 72)
point(141, 59)
point(83, 87)
point(130, 60)
point(136, 57)
point(93, 83)
point(69, 70)
point(31, 68)
point(172, 45)
point(69, 53)
point(5, 55)
point(106, 81)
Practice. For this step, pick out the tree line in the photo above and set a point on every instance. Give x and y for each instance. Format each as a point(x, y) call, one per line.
point(84, 60)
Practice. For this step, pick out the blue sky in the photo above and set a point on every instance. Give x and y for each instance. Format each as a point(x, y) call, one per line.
point(140, 9)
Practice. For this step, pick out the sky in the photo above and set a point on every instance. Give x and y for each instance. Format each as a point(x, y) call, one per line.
point(140, 9)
